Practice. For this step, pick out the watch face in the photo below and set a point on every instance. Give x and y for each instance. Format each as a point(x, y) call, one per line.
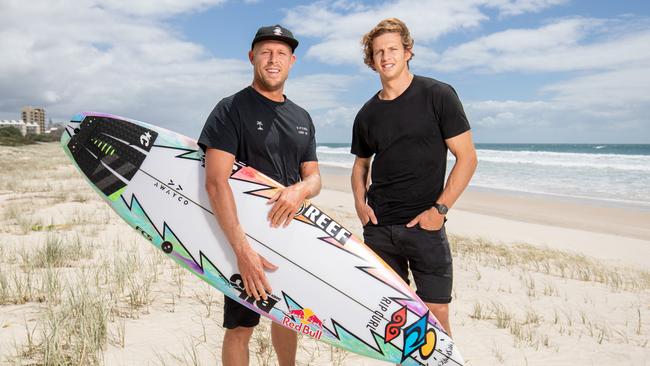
point(442, 209)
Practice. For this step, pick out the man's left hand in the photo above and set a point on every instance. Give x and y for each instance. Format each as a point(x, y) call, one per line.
point(286, 202)
point(430, 219)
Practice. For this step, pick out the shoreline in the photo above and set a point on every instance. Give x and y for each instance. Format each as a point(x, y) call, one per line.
point(614, 234)
point(571, 297)
point(335, 172)
point(566, 212)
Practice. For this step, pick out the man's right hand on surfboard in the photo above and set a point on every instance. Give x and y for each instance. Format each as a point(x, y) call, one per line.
point(251, 268)
point(218, 167)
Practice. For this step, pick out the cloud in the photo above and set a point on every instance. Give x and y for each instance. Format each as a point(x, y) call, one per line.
point(158, 8)
point(517, 7)
point(322, 95)
point(508, 114)
point(605, 98)
point(128, 59)
point(604, 56)
point(606, 107)
point(335, 124)
point(73, 56)
point(106, 56)
point(318, 91)
point(340, 25)
point(563, 45)
point(621, 94)
point(424, 57)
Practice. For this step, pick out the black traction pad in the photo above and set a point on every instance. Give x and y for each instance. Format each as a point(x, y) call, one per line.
point(106, 141)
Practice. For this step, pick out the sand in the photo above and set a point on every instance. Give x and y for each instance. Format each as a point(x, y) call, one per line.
point(612, 233)
point(538, 280)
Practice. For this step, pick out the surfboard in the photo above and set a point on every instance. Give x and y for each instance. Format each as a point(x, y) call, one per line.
point(329, 285)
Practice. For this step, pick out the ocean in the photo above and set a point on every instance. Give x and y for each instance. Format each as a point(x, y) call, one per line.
point(605, 172)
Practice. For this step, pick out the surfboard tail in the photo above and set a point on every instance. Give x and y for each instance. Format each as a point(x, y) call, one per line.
point(110, 157)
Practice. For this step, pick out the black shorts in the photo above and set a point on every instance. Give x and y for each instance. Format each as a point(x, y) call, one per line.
point(426, 252)
point(237, 315)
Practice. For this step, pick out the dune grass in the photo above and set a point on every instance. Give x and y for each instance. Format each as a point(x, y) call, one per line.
point(89, 286)
point(550, 262)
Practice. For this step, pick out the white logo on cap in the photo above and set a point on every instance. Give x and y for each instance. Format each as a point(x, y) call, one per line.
point(277, 31)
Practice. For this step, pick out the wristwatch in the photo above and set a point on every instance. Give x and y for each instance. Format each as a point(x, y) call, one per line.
point(442, 209)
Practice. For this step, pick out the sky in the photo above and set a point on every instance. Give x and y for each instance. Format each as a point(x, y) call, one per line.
point(527, 71)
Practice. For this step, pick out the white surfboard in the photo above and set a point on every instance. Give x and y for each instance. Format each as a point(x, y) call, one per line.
point(328, 286)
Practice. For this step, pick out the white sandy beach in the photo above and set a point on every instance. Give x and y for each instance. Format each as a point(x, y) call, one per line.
point(602, 231)
point(538, 280)
point(608, 236)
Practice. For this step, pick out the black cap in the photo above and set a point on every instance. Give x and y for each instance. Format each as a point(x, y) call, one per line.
point(275, 32)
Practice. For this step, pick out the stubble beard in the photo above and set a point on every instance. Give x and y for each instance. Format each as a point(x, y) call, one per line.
point(270, 85)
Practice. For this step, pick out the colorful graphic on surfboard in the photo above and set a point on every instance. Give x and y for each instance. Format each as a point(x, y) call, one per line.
point(329, 285)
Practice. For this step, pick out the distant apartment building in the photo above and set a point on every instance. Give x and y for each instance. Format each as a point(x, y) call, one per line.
point(35, 115)
point(24, 128)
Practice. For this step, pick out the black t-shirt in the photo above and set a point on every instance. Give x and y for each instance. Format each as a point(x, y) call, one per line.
point(407, 136)
point(272, 137)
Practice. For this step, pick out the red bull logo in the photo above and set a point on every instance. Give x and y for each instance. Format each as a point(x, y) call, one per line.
point(307, 320)
point(315, 320)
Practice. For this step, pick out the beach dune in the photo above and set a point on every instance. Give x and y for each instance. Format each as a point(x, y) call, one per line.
point(538, 280)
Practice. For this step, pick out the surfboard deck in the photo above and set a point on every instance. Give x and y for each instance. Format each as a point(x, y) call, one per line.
point(329, 285)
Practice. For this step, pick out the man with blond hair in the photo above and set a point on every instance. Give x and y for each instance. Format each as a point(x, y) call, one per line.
point(262, 128)
point(408, 127)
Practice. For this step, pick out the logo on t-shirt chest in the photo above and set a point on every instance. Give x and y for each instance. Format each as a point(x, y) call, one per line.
point(302, 130)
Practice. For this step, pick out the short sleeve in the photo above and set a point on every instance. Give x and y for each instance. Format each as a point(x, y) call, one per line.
point(220, 130)
point(310, 151)
point(450, 112)
point(360, 146)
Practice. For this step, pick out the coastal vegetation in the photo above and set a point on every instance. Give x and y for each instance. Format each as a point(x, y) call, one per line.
point(11, 136)
point(78, 286)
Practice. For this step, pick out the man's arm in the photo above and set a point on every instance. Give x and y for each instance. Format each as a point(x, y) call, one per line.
point(218, 167)
point(463, 149)
point(359, 182)
point(287, 201)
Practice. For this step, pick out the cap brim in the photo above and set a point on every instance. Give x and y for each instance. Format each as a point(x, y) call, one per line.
point(292, 42)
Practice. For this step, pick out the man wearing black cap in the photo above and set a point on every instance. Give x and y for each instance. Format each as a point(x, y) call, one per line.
point(262, 128)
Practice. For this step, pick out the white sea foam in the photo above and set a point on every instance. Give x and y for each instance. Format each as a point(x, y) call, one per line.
point(567, 160)
point(333, 150)
point(336, 164)
point(607, 177)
